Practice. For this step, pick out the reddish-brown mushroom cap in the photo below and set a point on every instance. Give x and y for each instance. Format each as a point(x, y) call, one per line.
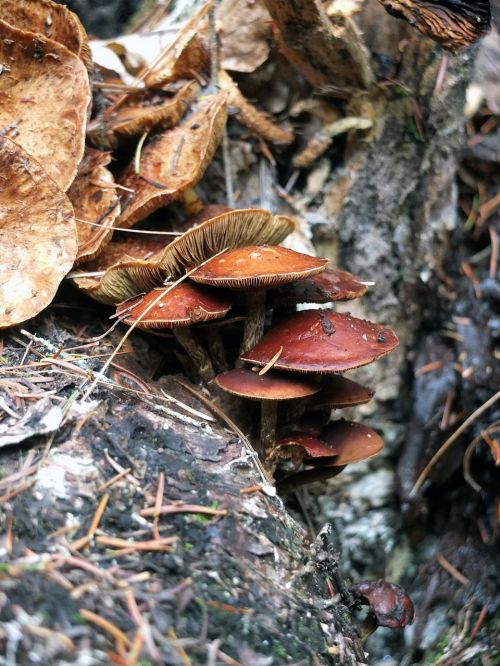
point(389, 603)
point(257, 266)
point(182, 305)
point(353, 441)
point(331, 285)
point(313, 447)
point(338, 392)
point(271, 386)
point(322, 341)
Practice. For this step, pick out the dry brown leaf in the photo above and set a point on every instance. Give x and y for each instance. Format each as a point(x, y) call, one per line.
point(45, 95)
point(95, 202)
point(37, 235)
point(187, 58)
point(140, 113)
point(175, 160)
point(49, 19)
point(244, 31)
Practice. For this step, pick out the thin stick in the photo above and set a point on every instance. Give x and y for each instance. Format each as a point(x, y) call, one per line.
point(181, 507)
point(107, 626)
point(448, 566)
point(159, 497)
point(442, 450)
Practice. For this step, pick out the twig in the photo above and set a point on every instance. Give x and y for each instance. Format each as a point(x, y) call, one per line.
point(181, 507)
point(447, 566)
point(121, 639)
point(442, 450)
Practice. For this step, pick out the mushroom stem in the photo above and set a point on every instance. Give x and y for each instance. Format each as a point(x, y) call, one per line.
point(216, 349)
point(196, 351)
point(254, 324)
point(368, 626)
point(269, 416)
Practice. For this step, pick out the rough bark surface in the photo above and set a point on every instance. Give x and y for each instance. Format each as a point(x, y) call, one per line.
point(245, 583)
point(391, 208)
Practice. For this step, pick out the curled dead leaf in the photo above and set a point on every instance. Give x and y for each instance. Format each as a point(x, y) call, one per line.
point(188, 58)
point(175, 160)
point(140, 113)
point(244, 31)
point(45, 95)
point(37, 235)
point(51, 20)
point(95, 202)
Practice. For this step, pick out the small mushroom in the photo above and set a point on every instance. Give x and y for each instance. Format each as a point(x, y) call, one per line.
point(179, 308)
point(333, 284)
point(269, 388)
point(341, 443)
point(255, 269)
point(322, 341)
point(390, 606)
point(338, 392)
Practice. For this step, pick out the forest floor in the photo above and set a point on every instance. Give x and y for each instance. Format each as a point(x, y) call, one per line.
point(77, 479)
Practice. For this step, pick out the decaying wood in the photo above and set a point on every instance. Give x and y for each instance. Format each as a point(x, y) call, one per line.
point(327, 51)
point(168, 519)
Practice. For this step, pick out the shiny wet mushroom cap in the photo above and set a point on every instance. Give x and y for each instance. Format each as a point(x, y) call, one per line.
point(322, 341)
point(311, 445)
point(338, 392)
point(258, 266)
point(177, 307)
point(181, 305)
point(331, 285)
point(339, 444)
point(269, 388)
point(255, 268)
point(390, 606)
point(353, 441)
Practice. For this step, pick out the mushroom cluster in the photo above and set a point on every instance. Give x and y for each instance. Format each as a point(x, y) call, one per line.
point(290, 363)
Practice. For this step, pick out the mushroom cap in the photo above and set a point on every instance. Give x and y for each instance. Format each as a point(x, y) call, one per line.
point(353, 441)
point(338, 392)
point(322, 341)
point(389, 602)
point(257, 266)
point(45, 89)
point(236, 228)
point(312, 446)
point(37, 235)
point(330, 285)
point(128, 265)
point(271, 386)
point(181, 305)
